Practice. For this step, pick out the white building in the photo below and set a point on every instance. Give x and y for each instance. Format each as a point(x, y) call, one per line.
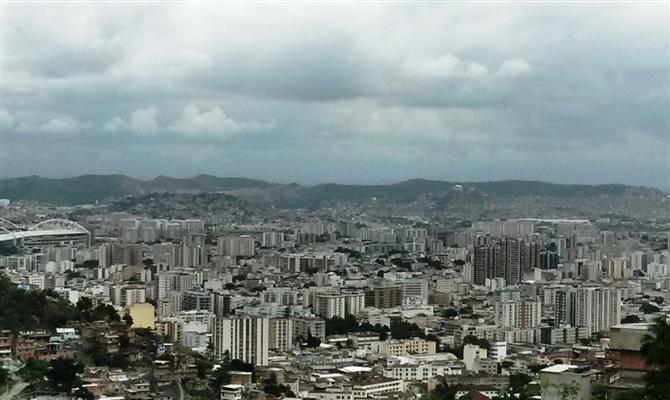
point(596, 308)
point(245, 339)
point(235, 246)
point(280, 335)
point(518, 313)
point(472, 353)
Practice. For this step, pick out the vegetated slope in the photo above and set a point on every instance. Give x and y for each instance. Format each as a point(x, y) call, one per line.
point(90, 188)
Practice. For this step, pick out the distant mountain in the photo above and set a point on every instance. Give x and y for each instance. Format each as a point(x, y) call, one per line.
point(89, 188)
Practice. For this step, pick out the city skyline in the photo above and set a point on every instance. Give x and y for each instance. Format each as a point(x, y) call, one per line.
point(374, 93)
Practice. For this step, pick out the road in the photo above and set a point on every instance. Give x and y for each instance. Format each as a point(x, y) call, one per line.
point(15, 390)
point(182, 393)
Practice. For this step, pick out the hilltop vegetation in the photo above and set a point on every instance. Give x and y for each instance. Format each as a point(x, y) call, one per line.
point(43, 309)
point(90, 188)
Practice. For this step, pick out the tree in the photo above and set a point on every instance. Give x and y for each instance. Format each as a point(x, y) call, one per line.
point(8, 249)
point(83, 394)
point(104, 312)
point(656, 351)
point(90, 264)
point(535, 368)
point(219, 378)
point(649, 308)
point(443, 391)
point(449, 313)
point(128, 319)
point(565, 391)
point(405, 330)
point(272, 387)
point(471, 339)
point(71, 274)
point(33, 370)
point(62, 374)
point(32, 309)
point(465, 310)
point(459, 263)
point(312, 341)
point(84, 304)
point(517, 382)
point(4, 376)
point(630, 319)
point(96, 352)
point(506, 364)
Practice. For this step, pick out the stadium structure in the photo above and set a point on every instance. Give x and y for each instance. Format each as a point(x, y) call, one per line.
point(52, 232)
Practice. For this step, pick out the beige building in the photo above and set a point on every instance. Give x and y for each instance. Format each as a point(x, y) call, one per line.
point(404, 347)
point(143, 315)
point(376, 386)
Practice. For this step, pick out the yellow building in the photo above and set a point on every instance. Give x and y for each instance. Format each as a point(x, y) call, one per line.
point(143, 315)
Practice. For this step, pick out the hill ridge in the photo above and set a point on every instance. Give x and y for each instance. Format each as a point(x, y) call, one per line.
point(89, 188)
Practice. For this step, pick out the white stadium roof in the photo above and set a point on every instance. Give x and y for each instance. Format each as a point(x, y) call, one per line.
point(27, 234)
point(50, 227)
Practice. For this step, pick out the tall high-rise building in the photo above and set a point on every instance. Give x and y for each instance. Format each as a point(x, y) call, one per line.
point(339, 304)
point(197, 300)
point(280, 336)
point(483, 264)
point(386, 296)
point(174, 281)
point(548, 260)
point(518, 313)
point(639, 261)
point(196, 226)
point(134, 295)
point(507, 258)
point(235, 246)
point(272, 239)
point(242, 338)
point(221, 304)
point(596, 308)
point(104, 255)
point(415, 290)
point(305, 326)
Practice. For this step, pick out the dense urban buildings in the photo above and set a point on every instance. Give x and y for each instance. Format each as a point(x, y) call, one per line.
point(356, 307)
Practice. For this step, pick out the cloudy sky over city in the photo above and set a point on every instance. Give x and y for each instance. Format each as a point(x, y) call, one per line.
point(350, 93)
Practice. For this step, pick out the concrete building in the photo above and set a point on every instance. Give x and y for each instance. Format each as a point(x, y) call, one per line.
point(339, 305)
point(242, 338)
point(197, 300)
point(280, 335)
point(518, 313)
point(235, 246)
point(305, 326)
point(470, 354)
point(403, 347)
point(376, 386)
point(595, 307)
point(143, 315)
point(386, 296)
point(566, 382)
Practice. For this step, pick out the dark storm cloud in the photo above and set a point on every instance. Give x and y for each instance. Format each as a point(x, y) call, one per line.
point(338, 92)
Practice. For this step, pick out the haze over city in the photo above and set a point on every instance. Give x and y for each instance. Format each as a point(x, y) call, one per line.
point(314, 93)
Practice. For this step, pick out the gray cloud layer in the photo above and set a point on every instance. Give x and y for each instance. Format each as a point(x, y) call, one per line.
point(348, 93)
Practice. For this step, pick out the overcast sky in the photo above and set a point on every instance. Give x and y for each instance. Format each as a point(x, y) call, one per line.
point(567, 93)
